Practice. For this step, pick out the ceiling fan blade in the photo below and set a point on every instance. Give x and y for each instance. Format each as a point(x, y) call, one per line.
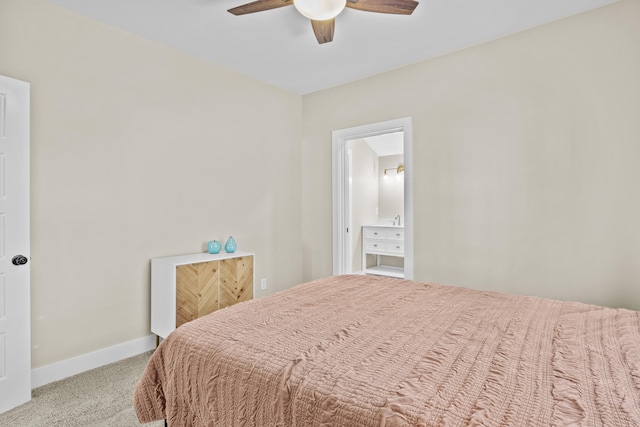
point(259, 6)
point(397, 7)
point(324, 30)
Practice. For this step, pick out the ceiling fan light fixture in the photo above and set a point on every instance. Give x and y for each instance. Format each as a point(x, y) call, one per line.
point(319, 10)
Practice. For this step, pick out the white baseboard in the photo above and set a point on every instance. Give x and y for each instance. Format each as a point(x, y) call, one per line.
point(75, 365)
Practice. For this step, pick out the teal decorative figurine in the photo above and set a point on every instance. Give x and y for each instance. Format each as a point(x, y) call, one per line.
point(213, 247)
point(230, 246)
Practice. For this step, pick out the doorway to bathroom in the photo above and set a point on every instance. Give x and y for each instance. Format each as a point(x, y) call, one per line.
point(372, 199)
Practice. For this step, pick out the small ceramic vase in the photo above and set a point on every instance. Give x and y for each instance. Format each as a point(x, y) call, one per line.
point(230, 246)
point(214, 247)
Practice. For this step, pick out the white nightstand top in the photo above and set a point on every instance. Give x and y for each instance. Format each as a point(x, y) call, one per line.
point(199, 257)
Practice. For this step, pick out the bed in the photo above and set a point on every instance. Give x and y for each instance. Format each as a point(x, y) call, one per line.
point(373, 351)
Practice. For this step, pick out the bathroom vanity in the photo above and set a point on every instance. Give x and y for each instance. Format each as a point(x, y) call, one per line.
point(382, 240)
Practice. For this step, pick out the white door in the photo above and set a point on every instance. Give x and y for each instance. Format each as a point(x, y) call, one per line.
point(15, 333)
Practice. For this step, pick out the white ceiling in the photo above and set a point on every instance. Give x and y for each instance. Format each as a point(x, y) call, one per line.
point(387, 144)
point(279, 48)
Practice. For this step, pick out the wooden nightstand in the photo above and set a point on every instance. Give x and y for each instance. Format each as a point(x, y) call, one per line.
point(186, 287)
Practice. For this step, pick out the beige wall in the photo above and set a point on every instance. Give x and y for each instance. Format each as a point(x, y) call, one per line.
point(526, 157)
point(139, 151)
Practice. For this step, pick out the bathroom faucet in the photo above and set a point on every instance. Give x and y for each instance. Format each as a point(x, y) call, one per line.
point(396, 220)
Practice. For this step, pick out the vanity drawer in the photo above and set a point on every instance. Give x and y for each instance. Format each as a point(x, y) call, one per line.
point(375, 233)
point(372, 245)
point(395, 247)
point(395, 233)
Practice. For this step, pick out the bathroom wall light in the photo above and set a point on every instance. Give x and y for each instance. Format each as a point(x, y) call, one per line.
point(398, 170)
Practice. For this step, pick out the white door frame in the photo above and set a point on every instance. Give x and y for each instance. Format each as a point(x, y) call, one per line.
point(340, 189)
point(349, 225)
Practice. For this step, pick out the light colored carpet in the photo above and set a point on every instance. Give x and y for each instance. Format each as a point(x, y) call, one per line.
point(101, 397)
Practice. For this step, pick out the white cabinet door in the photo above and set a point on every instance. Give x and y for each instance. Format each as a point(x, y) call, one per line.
point(15, 337)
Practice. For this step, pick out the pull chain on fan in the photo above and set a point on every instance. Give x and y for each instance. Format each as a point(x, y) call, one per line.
point(322, 13)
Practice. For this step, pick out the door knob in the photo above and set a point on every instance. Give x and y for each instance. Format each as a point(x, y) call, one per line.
point(19, 260)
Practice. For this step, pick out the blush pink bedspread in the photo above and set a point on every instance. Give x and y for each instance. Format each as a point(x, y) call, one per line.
point(372, 351)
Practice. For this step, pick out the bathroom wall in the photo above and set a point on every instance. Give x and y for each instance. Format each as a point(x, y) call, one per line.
point(391, 188)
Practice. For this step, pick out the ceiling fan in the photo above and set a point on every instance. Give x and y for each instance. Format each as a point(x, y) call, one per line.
point(322, 13)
